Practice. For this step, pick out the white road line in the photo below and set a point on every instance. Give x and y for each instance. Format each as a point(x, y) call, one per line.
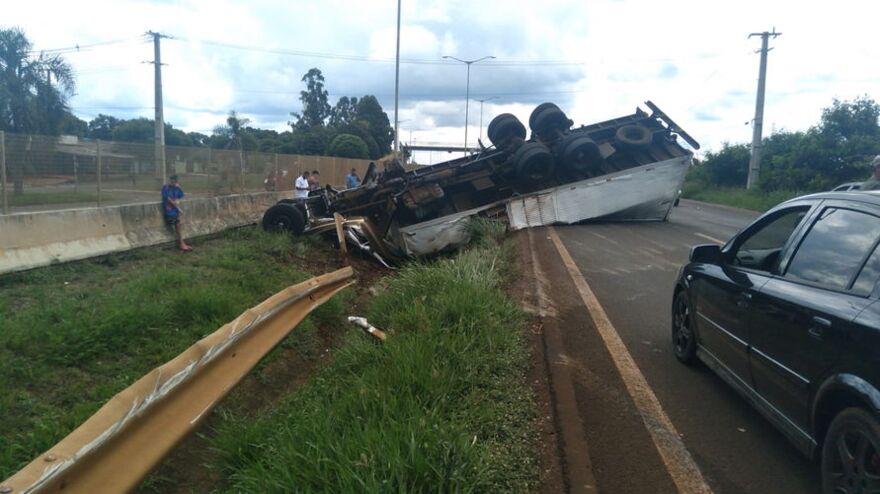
point(681, 466)
point(711, 239)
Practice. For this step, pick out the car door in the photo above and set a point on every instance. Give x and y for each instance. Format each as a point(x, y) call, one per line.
point(725, 290)
point(800, 318)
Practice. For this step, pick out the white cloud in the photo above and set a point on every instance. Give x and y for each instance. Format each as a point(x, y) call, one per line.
point(690, 57)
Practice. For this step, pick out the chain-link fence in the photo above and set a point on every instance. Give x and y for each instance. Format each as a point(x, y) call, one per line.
point(39, 173)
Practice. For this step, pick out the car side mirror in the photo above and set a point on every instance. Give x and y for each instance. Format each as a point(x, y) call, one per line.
point(706, 253)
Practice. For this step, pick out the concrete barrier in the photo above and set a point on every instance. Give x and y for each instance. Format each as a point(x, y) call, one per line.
point(30, 240)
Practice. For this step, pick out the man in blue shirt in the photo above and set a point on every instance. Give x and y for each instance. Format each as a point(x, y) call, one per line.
point(352, 180)
point(171, 196)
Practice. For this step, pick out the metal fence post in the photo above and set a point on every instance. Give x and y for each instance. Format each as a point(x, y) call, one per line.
point(276, 172)
point(99, 164)
point(3, 172)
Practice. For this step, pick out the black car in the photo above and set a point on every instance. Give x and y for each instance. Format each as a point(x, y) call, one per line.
point(787, 312)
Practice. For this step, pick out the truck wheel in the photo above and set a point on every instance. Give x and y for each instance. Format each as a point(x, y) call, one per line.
point(503, 128)
point(533, 161)
point(579, 154)
point(284, 217)
point(539, 109)
point(634, 135)
point(551, 122)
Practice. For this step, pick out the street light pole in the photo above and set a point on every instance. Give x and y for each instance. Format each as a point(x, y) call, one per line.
point(483, 100)
point(397, 83)
point(467, 97)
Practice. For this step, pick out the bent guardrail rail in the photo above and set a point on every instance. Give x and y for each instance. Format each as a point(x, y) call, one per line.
point(117, 447)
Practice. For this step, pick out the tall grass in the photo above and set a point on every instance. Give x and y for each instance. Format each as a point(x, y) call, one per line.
point(754, 199)
point(73, 335)
point(441, 406)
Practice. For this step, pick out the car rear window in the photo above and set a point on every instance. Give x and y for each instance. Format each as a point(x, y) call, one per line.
point(835, 247)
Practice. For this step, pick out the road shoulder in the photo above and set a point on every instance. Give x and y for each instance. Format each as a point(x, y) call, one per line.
point(603, 442)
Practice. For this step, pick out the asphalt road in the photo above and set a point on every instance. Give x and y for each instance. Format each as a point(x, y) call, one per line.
point(631, 269)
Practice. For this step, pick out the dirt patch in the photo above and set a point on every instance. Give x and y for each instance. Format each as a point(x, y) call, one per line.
point(552, 479)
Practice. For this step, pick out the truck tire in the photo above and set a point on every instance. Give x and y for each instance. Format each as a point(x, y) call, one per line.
point(533, 161)
point(539, 109)
point(549, 123)
point(284, 217)
point(504, 128)
point(580, 154)
point(633, 135)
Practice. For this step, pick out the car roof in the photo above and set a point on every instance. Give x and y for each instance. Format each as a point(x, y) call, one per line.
point(867, 196)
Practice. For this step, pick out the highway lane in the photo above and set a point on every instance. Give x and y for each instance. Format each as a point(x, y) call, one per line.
point(631, 269)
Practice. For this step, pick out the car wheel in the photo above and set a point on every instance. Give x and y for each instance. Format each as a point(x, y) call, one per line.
point(851, 453)
point(284, 217)
point(684, 341)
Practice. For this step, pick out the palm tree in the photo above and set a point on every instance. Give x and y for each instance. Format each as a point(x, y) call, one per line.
point(33, 94)
point(33, 89)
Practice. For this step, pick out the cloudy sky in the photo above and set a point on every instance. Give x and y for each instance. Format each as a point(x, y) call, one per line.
point(597, 59)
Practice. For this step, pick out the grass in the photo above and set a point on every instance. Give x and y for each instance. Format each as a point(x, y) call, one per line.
point(73, 335)
point(755, 200)
point(441, 406)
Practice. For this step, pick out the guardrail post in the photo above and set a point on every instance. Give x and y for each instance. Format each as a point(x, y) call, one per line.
point(3, 172)
point(98, 159)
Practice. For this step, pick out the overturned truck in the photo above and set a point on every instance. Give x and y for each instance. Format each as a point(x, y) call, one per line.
point(627, 169)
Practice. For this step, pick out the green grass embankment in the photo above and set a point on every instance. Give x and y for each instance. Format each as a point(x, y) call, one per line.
point(73, 335)
point(755, 200)
point(442, 406)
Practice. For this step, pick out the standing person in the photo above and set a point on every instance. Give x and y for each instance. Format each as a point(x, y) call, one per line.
point(302, 185)
point(171, 196)
point(314, 180)
point(352, 180)
point(873, 183)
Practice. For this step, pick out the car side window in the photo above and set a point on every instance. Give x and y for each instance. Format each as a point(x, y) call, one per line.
point(869, 275)
point(762, 248)
point(835, 247)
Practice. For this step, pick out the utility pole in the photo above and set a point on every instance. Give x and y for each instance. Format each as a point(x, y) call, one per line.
point(757, 129)
point(159, 118)
point(397, 83)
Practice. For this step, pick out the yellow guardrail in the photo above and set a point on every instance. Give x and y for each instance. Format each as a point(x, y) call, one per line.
point(122, 442)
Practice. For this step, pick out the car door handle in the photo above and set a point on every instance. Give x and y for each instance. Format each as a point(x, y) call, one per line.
point(819, 327)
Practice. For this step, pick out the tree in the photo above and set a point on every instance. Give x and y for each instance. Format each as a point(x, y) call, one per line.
point(728, 167)
point(102, 126)
point(33, 90)
point(344, 112)
point(838, 149)
point(361, 129)
point(33, 95)
point(198, 139)
point(71, 125)
point(369, 110)
point(315, 108)
point(176, 137)
point(234, 134)
point(313, 140)
point(348, 146)
point(135, 130)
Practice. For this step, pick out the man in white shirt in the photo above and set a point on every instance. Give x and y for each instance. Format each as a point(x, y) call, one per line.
point(301, 187)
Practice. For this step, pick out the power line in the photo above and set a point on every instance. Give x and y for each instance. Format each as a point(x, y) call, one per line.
point(362, 58)
point(84, 47)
